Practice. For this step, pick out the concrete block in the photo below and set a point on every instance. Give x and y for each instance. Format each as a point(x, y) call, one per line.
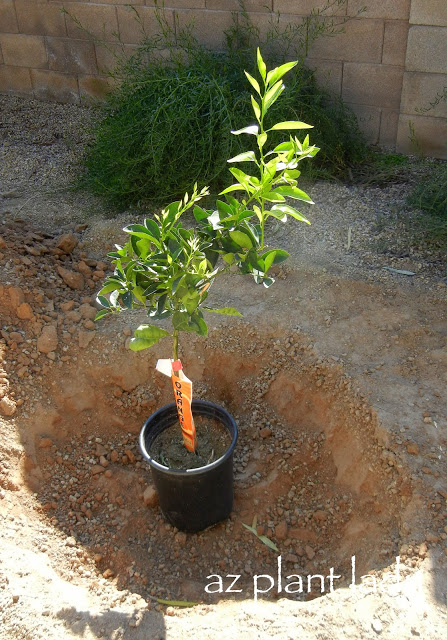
point(304, 7)
point(8, 20)
point(97, 20)
point(54, 86)
point(107, 58)
point(369, 121)
point(395, 42)
point(40, 18)
point(15, 80)
point(23, 51)
point(388, 9)
point(427, 49)
point(231, 5)
point(429, 12)
point(71, 56)
point(388, 128)
point(328, 74)
point(419, 91)
point(209, 26)
point(93, 89)
point(133, 2)
point(361, 41)
point(179, 4)
point(133, 27)
point(372, 84)
point(431, 135)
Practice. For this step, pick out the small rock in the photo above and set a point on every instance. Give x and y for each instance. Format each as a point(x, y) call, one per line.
point(101, 450)
point(89, 325)
point(265, 432)
point(70, 542)
point(97, 468)
point(83, 268)
point(377, 626)
point(85, 337)
point(103, 461)
point(130, 455)
point(67, 306)
point(44, 443)
point(15, 599)
point(24, 311)
point(181, 538)
point(7, 407)
point(48, 340)
point(3, 244)
point(150, 497)
point(16, 296)
point(87, 311)
point(310, 553)
point(67, 242)
point(15, 336)
point(108, 573)
point(320, 516)
point(413, 449)
point(281, 530)
point(72, 279)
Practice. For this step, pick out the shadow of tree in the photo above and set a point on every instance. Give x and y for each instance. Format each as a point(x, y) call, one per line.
point(136, 624)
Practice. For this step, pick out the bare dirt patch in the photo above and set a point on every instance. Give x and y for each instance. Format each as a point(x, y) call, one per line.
point(336, 377)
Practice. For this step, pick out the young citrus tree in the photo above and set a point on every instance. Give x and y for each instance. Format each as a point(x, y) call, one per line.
point(167, 269)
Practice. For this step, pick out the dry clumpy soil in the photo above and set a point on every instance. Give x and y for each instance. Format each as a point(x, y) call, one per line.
point(336, 377)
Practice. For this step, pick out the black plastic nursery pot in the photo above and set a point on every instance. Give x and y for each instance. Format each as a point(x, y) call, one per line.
point(192, 499)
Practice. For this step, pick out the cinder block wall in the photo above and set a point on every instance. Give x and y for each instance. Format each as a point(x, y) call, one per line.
point(388, 65)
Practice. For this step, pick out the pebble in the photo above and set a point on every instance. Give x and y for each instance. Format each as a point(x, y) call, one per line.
point(281, 530)
point(72, 279)
point(67, 242)
point(377, 626)
point(7, 407)
point(48, 340)
point(150, 497)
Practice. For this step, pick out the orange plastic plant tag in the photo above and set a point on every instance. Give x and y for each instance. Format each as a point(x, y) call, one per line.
point(183, 395)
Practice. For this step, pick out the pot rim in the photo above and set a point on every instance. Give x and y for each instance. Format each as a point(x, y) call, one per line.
point(198, 470)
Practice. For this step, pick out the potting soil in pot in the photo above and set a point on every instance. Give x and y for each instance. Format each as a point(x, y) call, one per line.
point(212, 441)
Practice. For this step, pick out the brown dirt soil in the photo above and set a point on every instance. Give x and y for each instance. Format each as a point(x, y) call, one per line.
point(336, 377)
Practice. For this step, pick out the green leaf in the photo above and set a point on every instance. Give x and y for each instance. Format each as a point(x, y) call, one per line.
point(262, 138)
point(293, 124)
point(229, 258)
point(293, 192)
point(111, 285)
point(146, 336)
point(279, 255)
point(271, 545)
point(252, 130)
point(233, 187)
point(273, 94)
point(256, 109)
point(177, 603)
point(102, 313)
point(241, 239)
point(254, 83)
point(247, 156)
point(226, 311)
point(261, 64)
point(290, 211)
point(275, 74)
point(267, 282)
point(153, 228)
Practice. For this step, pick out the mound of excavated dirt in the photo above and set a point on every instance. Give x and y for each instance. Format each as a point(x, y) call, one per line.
point(336, 377)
